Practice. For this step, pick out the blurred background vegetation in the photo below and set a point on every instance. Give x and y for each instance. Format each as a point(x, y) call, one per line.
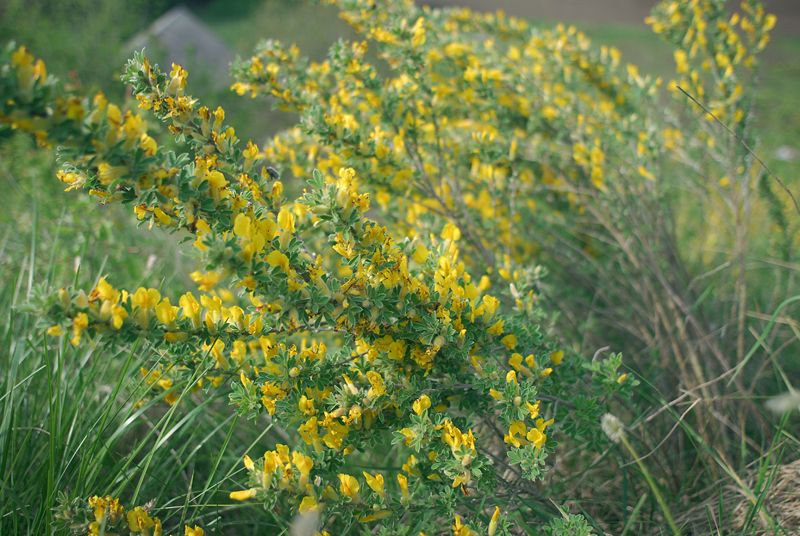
point(87, 42)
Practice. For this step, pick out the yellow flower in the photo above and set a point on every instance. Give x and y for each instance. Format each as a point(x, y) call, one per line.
point(143, 301)
point(515, 361)
point(21, 57)
point(192, 531)
point(162, 217)
point(378, 387)
point(489, 304)
point(493, 522)
point(348, 486)
point(217, 352)
point(79, 325)
point(557, 357)
point(681, 62)
point(139, 520)
point(343, 248)
point(114, 115)
point(533, 409)
point(248, 463)
point(509, 341)
point(148, 144)
point(375, 516)
point(337, 432)
point(190, 309)
point(140, 211)
point(276, 258)
point(304, 464)
point(71, 179)
point(542, 424)
point(420, 254)
point(418, 33)
point(459, 529)
point(206, 281)
point(409, 435)
point(239, 351)
point(402, 481)
point(166, 313)
point(306, 405)
point(286, 219)
point(217, 183)
point(243, 495)
point(55, 331)
point(516, 429)
point(106, 292)
point(421, 404)
point(375, 483)
point(106, 506)
point(643, 171)
point(536, 437)
point(308, 504)
point(410, 466)
point(270, 395)
point(496, 328)
point(451, 232)
point(250, 153)
point(286, 223)
point(177, 80)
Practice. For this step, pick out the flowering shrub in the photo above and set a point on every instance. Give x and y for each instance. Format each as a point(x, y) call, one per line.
point(511, 131)
point(484, 119)
point(110, 516)
point(375, 300)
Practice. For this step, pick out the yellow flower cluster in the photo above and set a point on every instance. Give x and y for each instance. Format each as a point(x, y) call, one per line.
point(715, 50)
point(110, 516)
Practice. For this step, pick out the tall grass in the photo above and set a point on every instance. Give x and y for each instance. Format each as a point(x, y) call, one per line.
point(683, 280)
point(72, 420)
point(72, 427)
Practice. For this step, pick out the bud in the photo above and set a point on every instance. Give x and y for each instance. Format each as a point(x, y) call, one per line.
point(784, 403)
point(493, 521)
point(612, 427)
point(64, 298)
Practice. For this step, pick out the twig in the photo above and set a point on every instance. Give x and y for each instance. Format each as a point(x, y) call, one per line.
point(745, 145)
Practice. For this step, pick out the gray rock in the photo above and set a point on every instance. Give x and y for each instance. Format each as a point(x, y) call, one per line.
point(179, 36)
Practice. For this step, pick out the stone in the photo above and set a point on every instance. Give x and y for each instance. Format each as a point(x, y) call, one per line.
point(181, 37)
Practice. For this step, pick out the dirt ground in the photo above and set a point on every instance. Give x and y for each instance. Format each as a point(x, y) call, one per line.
point(609, 11)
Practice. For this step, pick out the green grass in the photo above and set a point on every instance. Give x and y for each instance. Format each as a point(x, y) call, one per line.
point(79, 36)
point(242, 25)
point(778, 103)
point(71, 231)
point(71, 429)
point(70, 421)
point(71, 424)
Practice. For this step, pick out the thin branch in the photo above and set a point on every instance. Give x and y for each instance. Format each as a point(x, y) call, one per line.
point(745, 145)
